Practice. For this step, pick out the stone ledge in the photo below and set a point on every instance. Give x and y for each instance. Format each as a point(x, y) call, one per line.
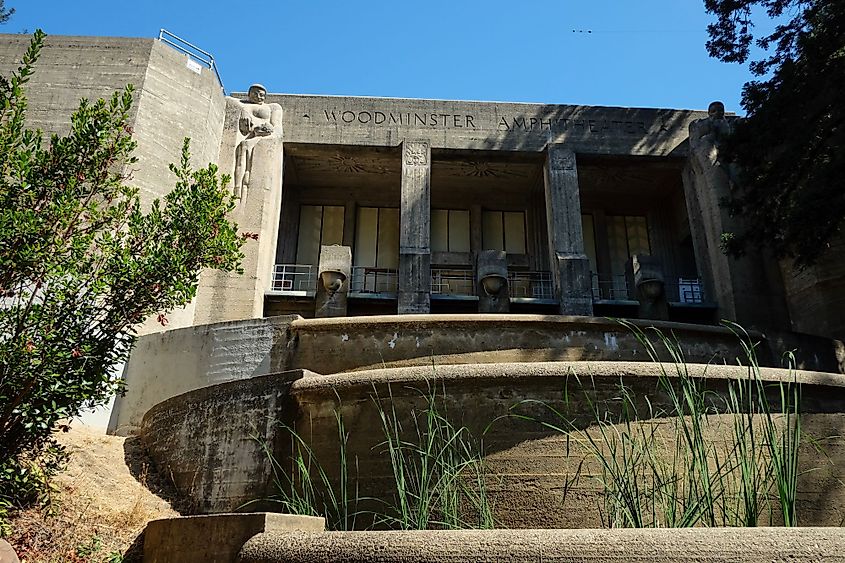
point(218, 537)
point(653, 545)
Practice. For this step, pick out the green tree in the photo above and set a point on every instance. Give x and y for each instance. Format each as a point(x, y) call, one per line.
point(5, 14)
point(789, 148)
point(82, 263)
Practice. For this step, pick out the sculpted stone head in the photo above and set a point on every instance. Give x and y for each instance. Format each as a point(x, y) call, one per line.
point(257, 93)
point(716, 110)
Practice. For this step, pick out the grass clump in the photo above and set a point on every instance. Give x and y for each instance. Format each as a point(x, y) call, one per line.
point(686, 455)
point(439, 479)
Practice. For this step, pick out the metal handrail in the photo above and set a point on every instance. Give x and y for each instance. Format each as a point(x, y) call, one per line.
point(293, 279)
point(374, 281)
point(182, 45)
point(530, 285)
point(452, 281)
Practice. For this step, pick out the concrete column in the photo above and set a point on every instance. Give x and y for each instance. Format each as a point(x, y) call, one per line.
point(415, 229)
point(747, 290)
point(569, 264)
point(230, 296)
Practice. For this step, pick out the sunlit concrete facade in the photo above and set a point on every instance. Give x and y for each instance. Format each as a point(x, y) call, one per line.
point(419, 189)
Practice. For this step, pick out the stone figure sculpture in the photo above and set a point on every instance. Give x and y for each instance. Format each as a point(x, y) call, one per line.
point(335, 268)
point(492, 282)
point(705, 138)
point(645, 275)
point(258, 121)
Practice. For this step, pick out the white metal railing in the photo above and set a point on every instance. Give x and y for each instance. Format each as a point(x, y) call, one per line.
point(378, 281)
point(533, 285)
point(192, 51)
point(294, 279)
point(613, 288)
point(449, 281)
point(690, 290)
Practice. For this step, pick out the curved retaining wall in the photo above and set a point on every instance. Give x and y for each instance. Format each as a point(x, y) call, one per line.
point(165, 365)
point(200, 437)
point(525, 546)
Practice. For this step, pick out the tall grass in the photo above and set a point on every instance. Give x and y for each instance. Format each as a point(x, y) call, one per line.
point(678, 465)
point(437, 466)
point(305, 488)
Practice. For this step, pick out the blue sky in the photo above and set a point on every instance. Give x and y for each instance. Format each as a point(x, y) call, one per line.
point(647, 53)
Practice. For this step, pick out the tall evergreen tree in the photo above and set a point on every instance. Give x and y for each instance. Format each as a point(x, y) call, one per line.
point(791, 146)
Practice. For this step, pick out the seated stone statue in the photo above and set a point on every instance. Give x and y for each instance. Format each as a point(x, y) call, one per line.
point(705, 138)
point(258, 121)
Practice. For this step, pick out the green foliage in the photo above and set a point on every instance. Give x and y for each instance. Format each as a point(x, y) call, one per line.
point(4, 13)
point(789, 148)
point(669, 466)
point(439, 477)
point(438, 469)
point(82, 263)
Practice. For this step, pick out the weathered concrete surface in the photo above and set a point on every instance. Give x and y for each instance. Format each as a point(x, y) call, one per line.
point(570, 266)
point(167, 364)
point(491, 281)
point(748, 289)
point(346, 344)
point(177, 361)
point(334, 277)
point(346, 120)
point(414, 292)
point(213, 442)
point(171, 102)
point(218, 538)
point(816, 295)
point(231, 296)
point(204, 438)
point(532, 482)
point(764, 545)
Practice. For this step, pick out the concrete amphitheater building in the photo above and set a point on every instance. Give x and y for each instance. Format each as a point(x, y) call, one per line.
point(492, 239)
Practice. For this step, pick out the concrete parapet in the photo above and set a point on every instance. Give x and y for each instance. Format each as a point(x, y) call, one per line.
point(165, 365)
point(217, 538)
point(524, 546)
point(205, 440)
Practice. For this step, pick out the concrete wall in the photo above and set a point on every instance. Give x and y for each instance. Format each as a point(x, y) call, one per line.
point(705, 545)
point(171, 102)
point(212, 442)
point(167, 364)
point(816, 296)
point(201, 439)
point(484, 125)
point(205, 539)
point(71, 68)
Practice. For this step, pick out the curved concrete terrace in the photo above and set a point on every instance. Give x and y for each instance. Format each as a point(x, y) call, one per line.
point(173, 362)
point(525, 546)
point(204, 439)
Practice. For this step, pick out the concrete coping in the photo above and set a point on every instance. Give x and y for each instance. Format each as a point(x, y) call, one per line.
point(653, 545)
point(311, 381)
point(595, 323)
point(216, 537)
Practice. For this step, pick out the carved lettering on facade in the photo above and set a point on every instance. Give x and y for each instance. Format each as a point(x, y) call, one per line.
point(503, 123)
point(416, 153)
point(406, 118)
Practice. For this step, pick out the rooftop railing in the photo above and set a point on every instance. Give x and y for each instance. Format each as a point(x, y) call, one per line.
point(194, 52)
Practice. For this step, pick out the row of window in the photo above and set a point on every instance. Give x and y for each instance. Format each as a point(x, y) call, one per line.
point(377, 234)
